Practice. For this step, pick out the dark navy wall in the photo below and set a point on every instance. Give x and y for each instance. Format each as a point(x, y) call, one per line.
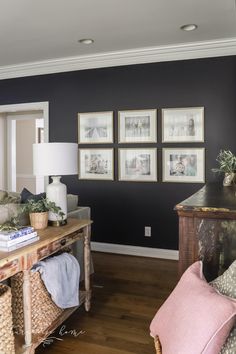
point(120, 210)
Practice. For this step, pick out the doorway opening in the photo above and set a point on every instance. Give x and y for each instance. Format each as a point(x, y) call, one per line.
point(21, 125)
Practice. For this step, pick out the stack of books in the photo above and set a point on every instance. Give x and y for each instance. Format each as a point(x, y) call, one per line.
point(11, 240)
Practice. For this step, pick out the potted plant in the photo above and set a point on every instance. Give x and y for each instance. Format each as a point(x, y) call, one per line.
point(227, 165)
point(38, 212)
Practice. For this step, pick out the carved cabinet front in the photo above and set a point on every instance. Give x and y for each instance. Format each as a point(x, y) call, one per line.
point(207, 229)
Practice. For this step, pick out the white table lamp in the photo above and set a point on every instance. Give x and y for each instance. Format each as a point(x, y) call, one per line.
point(55, 160)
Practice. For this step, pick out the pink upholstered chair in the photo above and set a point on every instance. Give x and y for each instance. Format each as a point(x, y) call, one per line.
point(194, 319)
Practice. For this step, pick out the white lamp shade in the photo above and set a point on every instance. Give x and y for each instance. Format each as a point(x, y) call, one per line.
point(55, 159)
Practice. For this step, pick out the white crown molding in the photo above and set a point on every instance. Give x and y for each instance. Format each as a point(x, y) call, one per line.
point(194, 50)
point(135, 250)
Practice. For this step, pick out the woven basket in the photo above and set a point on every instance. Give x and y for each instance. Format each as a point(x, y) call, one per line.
point(157, 345)
point(39, 220)
point(6, 333)
point(43, 310)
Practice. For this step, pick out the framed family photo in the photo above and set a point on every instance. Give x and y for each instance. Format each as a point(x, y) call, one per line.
point(183, 125)
point(138, 126)
point(97, 164)
point(184, 165)
point(95, 128)
point(138, 165)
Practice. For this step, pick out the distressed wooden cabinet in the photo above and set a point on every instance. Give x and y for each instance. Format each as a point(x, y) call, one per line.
point(207, 229)
point(51, 240)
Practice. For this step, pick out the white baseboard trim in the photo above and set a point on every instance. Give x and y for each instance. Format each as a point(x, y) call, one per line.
point(135, 250)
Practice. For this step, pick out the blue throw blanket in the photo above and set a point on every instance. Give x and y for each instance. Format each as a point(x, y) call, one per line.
point(60, 275)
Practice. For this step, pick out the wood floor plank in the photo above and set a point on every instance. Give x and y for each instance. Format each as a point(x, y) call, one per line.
point(127, 291)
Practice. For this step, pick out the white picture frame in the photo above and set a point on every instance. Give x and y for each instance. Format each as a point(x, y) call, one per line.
point(183, 125)
point(137, 126)
point(95, 127)
point(183, 165)
point(96, 164)
point(138, 165)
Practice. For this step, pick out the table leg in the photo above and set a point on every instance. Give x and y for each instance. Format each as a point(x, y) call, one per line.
point(87, 261)
point(27, 310)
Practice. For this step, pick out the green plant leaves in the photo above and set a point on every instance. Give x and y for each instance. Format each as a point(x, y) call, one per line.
point(41, 206)
point(227, 162)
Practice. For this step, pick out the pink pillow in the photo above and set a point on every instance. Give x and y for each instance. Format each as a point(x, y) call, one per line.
point(195, 318)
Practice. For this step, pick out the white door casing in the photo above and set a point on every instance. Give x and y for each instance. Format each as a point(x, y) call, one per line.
point(20, 111)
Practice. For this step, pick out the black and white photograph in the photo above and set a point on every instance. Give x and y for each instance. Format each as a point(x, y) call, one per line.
point(138, 164)
point(96, 164)
point(183, 165)
point(137, 126)
point(183, 125)
point(95, 127)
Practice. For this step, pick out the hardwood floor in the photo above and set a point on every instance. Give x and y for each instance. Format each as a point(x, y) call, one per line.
point(127, 292)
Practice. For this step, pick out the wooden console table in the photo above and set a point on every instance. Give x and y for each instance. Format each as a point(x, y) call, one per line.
point(207, 229)
point(52, 239)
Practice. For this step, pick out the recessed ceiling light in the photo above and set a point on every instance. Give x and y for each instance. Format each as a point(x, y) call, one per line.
point(86, 41)
point(189, 27)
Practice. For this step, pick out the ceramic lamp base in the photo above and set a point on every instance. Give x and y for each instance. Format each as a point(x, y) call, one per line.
point(57, 193)
point(57, 222)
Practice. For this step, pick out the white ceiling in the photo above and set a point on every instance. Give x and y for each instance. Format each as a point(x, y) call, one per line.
point(36, 31)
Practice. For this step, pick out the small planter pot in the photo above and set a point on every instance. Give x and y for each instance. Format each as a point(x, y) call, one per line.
point(229, 179)
point(39, 220)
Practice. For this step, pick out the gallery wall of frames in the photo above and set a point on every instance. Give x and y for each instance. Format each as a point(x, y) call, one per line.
point(179, 126)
